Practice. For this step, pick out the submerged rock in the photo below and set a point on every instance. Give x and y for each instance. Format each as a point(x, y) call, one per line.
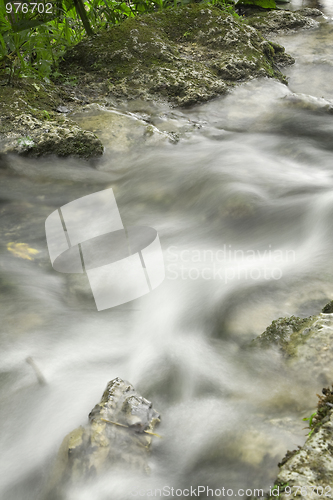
point(185, 55)
point(118, 434)
point(309, 103)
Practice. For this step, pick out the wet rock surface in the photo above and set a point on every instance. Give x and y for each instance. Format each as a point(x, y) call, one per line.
point(310, 103)
point(305, 342)
point(185, 56)
point(118, 435)
point(308, 470)
point(31, 125)
point(180, 56)
point(32, 137)
point(280, 21)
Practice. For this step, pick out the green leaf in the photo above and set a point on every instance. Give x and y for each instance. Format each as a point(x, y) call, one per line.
point(27, 24)
point(311, 418)
point(265, 4)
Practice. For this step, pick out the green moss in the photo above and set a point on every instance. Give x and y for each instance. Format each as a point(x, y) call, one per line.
point(31, 126)
point(324, 408)
point(264, 4)
point(328, 308)
point(287, 333)
point(23, 96)
point(68, 142)
point(186, 55)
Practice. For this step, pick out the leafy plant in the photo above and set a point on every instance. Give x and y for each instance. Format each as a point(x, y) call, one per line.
point(32, 42)
point(311, 423)
point(226, 5)
point(324, 409)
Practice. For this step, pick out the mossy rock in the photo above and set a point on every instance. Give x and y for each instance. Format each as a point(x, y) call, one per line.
point(306, 343)
point(286, 333)
point(328, 309)
point(30, 124)
point(184, 55)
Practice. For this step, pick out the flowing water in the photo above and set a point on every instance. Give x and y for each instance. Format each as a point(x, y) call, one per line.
point(243, 205)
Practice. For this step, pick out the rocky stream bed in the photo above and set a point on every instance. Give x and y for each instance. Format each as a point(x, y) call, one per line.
point(231, 406)
point(181, 56)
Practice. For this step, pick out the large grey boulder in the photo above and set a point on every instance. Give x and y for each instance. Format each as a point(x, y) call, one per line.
point(184, 55)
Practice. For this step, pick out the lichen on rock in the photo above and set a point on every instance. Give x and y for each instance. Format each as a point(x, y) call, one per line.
point(185, 55)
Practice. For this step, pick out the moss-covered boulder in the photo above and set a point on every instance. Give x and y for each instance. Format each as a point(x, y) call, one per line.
point(185, 55)
point(305, 342)
point(285, 333)
point(31, 125)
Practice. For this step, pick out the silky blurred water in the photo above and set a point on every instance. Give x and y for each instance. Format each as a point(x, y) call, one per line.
point(243, 205)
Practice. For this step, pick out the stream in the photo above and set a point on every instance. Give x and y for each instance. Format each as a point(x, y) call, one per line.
point(242, 200)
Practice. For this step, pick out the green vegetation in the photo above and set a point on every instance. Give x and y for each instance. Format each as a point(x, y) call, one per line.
point(287, 333)
point(310, 420)
point(185, 55)
point(324, 408)
point(25, 141)
point(279, 487)
point(264, 4)
point(34, 36)
point(328, 308)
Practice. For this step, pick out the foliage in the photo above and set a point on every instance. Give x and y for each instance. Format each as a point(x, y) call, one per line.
point(324, 408)
point(33, 41)
point(310, 420)
point(265, 4)
point(227, 5)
